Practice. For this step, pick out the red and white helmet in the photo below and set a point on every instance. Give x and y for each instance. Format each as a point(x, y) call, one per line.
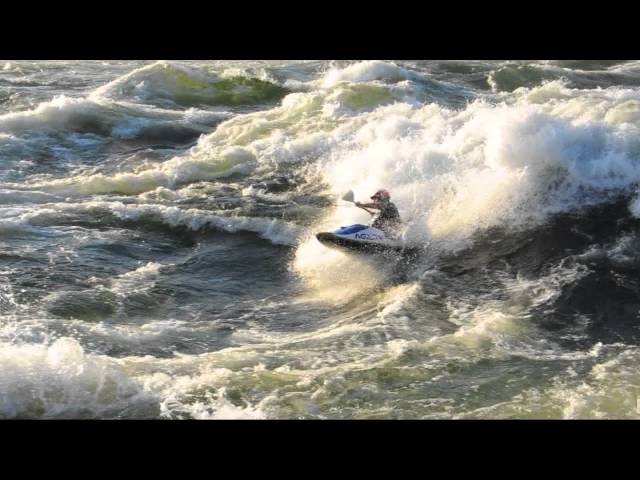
point(381, 195)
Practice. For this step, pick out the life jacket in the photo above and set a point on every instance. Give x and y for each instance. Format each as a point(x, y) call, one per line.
point(387, 217)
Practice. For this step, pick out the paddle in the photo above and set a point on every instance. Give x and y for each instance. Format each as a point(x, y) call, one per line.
point(348, 197)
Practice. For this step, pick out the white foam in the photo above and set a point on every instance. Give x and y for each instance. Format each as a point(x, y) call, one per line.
point(135, 334)
point(169, 174)
point(608, 391)
point(502, 328)
point(261, 193)
point(55, 113)
point(118, 119)
point(634, 206)
point(139, 280)
point(144, 82)
point(365, 72)
point(8, 303)
point(173, 82)
point(60, 380)
point(275, 230)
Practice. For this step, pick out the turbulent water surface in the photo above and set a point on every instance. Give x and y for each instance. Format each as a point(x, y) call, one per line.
point(158, 258)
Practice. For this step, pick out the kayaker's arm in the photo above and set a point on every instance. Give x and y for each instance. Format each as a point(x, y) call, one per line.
point(375, 206)
point(364, 206)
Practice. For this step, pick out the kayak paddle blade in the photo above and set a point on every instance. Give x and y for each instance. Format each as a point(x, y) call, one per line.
point(348, 197)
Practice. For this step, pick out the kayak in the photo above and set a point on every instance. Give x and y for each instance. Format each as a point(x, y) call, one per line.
point(361, 238)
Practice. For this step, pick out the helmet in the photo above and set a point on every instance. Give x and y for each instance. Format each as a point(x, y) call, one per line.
point(381, 195)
